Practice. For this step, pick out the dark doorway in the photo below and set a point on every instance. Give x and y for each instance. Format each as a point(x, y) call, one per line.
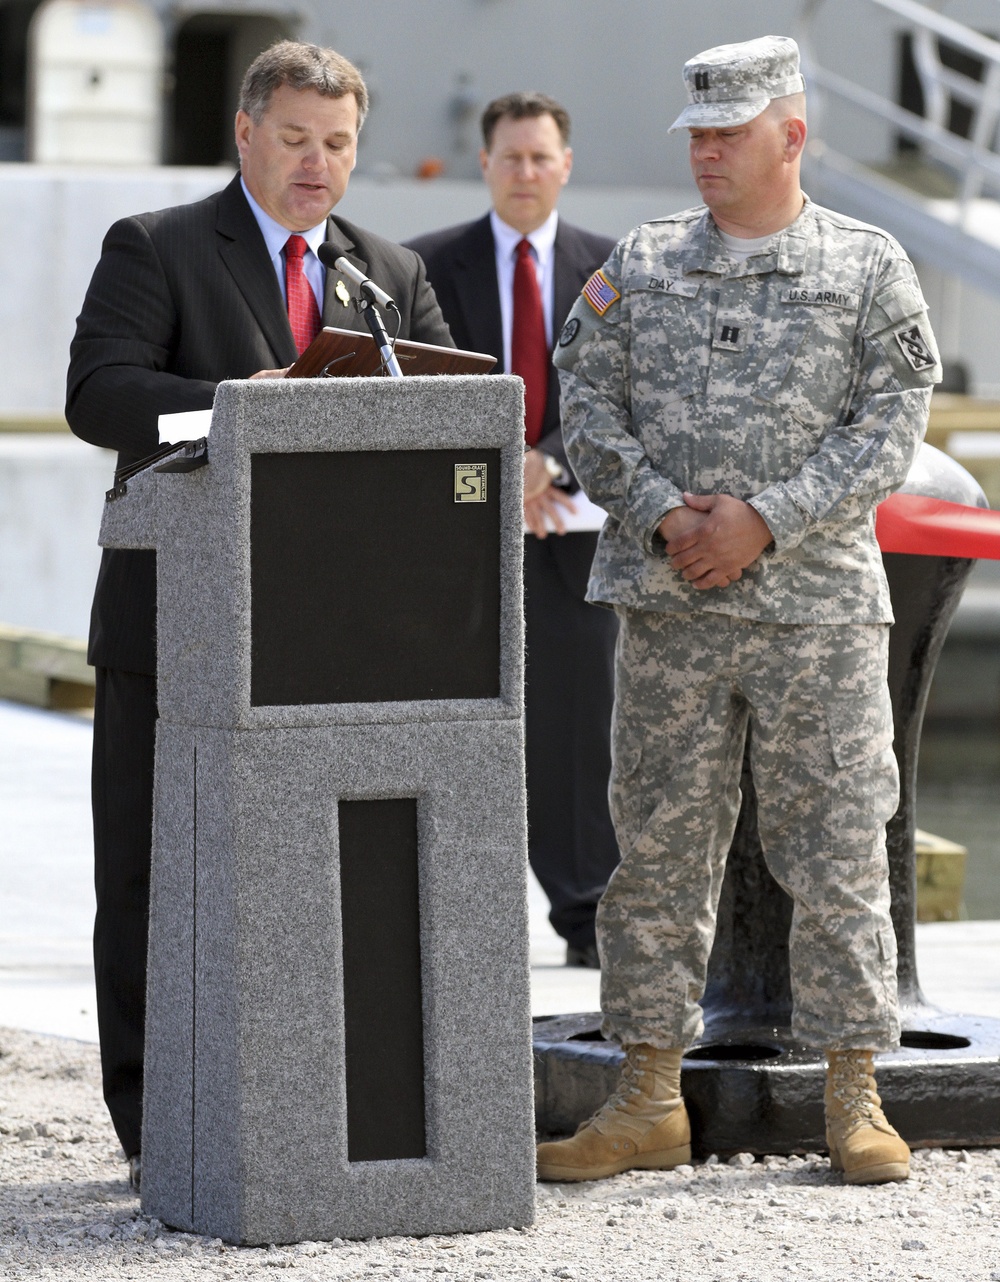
point(15, 18)
point(211, 53)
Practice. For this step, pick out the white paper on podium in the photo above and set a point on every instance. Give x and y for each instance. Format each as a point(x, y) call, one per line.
point(588, 516)
point(191, 425)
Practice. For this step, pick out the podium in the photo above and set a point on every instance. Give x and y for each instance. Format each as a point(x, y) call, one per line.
point(338, 1037)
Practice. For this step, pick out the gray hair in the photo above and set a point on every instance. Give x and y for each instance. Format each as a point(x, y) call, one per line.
point(300, 66)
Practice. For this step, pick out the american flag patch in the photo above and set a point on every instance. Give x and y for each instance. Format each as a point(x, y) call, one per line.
point(600, 293)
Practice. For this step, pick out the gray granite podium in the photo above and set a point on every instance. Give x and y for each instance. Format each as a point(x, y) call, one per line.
point(338, 1033)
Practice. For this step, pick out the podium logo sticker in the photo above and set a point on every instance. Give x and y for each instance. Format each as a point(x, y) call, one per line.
point(470, 482)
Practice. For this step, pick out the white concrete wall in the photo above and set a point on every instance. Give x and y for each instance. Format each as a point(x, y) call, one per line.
point(45, 275)
point(615, 65)
point(52, 487)
point(60, 216)
point(51, 496)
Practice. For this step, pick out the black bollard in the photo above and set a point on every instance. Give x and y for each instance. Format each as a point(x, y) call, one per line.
point(749, 1087)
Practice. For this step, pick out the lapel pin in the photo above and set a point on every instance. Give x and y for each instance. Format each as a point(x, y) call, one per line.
point(342, 293)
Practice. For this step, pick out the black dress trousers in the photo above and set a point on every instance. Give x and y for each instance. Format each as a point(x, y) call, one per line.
point(569, 692)
point(122, 792)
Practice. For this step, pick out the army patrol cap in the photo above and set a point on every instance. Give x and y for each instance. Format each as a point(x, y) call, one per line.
point(732, 84)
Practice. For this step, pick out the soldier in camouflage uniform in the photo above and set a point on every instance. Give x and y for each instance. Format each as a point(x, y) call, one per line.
point(742, 384)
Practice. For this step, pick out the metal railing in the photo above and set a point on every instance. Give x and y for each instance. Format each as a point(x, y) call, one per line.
point(974, 161)
point(942, 228)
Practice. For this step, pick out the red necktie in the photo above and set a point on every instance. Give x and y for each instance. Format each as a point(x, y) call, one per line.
point(529, 352)
point(303, 313)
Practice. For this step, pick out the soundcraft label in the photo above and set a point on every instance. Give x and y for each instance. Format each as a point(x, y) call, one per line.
point(470, 482)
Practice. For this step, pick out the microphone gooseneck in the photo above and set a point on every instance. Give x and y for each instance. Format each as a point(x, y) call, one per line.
point(370, 295)
point(329, 257)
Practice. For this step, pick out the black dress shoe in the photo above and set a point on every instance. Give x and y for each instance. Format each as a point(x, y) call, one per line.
point(586, 957)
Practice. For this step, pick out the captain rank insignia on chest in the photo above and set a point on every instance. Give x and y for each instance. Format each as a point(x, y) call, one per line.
point(730, 334)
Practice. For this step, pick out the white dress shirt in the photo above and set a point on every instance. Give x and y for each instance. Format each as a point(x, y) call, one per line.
point(275, 237)
point(506, 240)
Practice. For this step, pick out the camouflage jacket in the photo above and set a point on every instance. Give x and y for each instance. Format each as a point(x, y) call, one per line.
point(798, 380)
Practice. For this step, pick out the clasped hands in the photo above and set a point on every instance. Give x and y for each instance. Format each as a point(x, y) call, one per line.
point(713, 538)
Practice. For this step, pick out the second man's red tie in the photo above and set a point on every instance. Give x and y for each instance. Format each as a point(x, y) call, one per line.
point(303, 311)
point(529, 350)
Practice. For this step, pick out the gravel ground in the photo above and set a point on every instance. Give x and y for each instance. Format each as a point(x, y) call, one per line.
point(65, 1212)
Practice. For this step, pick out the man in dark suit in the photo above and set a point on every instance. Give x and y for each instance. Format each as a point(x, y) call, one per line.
point(488, 275)
point(180, 300)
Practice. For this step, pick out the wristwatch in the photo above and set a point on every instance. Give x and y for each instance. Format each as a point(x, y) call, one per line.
point(555, 469)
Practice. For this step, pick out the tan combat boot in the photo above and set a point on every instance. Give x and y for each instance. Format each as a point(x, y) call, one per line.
point(644, 1124)
point(862, 1143)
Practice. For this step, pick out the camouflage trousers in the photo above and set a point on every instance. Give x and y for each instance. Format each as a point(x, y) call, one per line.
point(826, 778)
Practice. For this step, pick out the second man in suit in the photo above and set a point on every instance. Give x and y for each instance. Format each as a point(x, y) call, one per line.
point(505, 284)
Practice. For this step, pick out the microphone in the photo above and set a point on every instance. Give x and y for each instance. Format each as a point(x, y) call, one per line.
point(328, 257)
point(371, 294)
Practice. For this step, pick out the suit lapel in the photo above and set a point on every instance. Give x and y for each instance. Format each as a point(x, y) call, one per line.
point(477, 291)
point(335, 312)
point(244, 253)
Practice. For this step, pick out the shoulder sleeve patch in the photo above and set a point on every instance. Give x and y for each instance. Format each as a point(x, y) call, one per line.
point(898, 322)
point(915, 347)
point(569, 332)
point(600, 293)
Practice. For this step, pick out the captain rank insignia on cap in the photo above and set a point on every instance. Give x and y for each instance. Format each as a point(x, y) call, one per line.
point(600, 293)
